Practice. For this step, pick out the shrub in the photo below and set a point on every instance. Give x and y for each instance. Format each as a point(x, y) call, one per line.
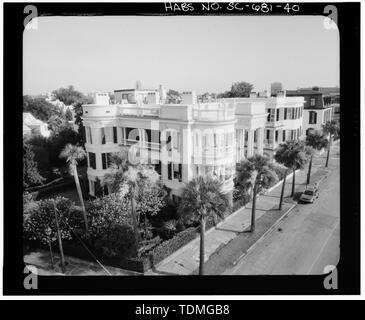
point(151, 200)
point(170, 246)
point(118, 240)
point(105, 212)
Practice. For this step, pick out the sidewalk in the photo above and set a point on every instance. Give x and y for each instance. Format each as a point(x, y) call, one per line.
point(185, 261)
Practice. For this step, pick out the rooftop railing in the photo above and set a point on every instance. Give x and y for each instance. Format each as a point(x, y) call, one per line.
point(213, 112)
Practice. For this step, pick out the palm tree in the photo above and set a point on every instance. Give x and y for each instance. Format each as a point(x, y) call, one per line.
point(123, 176)
point(203, 198)
point(73, 154)
point(293, 155)
point(317, 142)
point(331, 129)
point(261, 175)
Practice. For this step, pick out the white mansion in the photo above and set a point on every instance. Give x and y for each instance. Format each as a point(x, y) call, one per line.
point(189, 139)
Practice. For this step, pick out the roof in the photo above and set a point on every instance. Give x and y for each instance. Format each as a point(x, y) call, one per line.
point(30, 120)
point(26, 128)
point(303, 92)
point(126, 90)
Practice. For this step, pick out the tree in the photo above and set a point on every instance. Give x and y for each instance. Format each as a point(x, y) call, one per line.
point(259, 174)
point(70, 96)
point(68, 114)
point(317, 142)
point(173, 96)
point(31, 175)
point(332, 130)
point(241, 89)
point(292, 154)
point(54, 123)
point(131, 179)
point(39, 221)
point(238, 90)
point(73, 154)
point(149, 195)
point(203, 198)
point(58, 140)
point(77, 107)
point(40, 108)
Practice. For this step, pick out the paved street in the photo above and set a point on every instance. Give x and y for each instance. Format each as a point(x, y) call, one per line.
point(307, 239)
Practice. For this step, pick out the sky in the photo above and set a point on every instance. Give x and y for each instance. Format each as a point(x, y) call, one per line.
point(201, 53)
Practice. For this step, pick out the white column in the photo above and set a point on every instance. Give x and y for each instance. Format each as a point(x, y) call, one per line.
point(98, 162)
point(260, 141)
point(187, 151)
point(120, 134)
point(242, 144)
point(250, 144)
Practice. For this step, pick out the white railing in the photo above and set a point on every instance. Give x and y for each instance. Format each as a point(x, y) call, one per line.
point(140, 111)
point(213, 113)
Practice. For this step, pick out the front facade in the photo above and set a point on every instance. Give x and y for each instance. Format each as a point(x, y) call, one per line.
point(318, 108)
point(182, 141)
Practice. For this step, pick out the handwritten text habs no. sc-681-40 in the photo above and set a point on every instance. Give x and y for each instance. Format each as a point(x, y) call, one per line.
point(231, 7)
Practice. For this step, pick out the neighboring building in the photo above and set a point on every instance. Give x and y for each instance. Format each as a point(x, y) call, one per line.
point(284, 118)
point(318, 108)
point(276, 87)
point(183, 140)
point(31, 125)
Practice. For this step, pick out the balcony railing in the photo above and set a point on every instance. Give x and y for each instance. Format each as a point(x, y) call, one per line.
point(143, 144)
point(140, 111)
point(214, 112)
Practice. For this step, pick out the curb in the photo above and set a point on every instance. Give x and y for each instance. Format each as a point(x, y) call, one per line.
point(264, 234)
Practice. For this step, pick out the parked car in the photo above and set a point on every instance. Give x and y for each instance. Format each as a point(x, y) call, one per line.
point(310, 194)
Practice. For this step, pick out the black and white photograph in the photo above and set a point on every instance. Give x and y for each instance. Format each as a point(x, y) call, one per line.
point(200, 139)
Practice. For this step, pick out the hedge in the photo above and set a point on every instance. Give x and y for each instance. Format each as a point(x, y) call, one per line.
point(168, 247)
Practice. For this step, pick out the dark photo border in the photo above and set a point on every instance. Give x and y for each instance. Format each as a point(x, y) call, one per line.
point(349, 266)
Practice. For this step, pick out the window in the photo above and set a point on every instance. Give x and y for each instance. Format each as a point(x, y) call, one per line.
point(271, 115)
point(105, 159)
point(177, 171)
point(284, 135)
point(313, 102)
point(102, 130)
point(312, 117)
point(92, 161)
point(276, 135)
point(285, 113)
point(267, 134)
point(277, 114)
point(115, 135)
point(169, 171)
